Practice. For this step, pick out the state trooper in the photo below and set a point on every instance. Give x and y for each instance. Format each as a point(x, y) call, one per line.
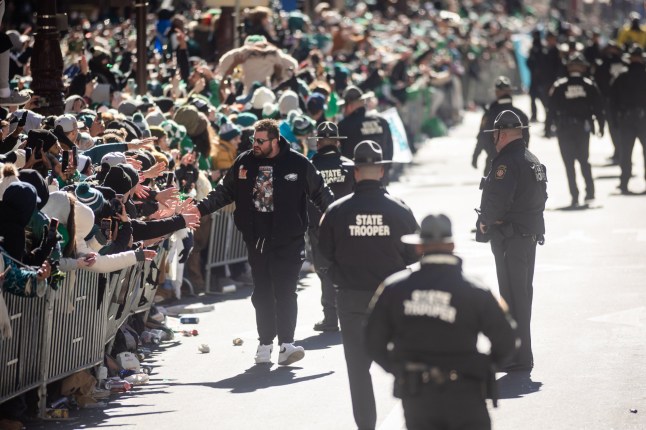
point(609, 68)
point(338, 174)
point(359, 124)
point(359, 235)
point(503, 102)
point(432, 316)
point(511, 217)
point(573, 103)
point(628, 98)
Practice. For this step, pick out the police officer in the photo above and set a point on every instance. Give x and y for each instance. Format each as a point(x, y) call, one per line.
point(628, 99)
point(503, 102)
point(338, 173)
point(358, 124)
point(610, 67)
point(359, 235)
point(270, 185)
point(511, 217)
point(432, 317)
point(573, 102)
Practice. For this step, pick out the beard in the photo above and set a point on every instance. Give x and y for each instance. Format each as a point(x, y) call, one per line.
point(262, 151)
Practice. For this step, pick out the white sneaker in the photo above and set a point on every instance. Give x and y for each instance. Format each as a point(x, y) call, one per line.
point(290, 354)
point(263, 354)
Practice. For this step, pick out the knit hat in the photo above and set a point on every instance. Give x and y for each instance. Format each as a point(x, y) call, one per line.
point(131, 172)
point(288, 101)
point(142, 125)
point(5, 182)
point(113, 158)
point(302, 125)
point(190, 117)
point(174, 131)
point(85, 141)
point(270, 110)
point(127, 107)
point(246, 119)
point(34, 178)
point(155, 118)
point(165, 104)
point(118, 180)
point(48, 138)
point(158, 132)
point(58, 206)
point(261, 96)
point(84, 163)
point(90, 197)
point(229, 131)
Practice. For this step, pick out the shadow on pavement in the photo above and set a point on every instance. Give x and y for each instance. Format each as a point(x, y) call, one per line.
point(584, 207)
point(89, 418)
point(259, 377)
point(515, 385)
point(322, 340)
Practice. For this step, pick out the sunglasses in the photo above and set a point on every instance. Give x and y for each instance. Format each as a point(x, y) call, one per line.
point(259, 141)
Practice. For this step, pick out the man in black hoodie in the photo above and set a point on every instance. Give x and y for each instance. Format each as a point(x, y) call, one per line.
point(270, 185)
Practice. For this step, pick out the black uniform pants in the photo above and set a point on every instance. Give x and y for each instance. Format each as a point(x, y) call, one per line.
point(453, 405)
point(515, 257)
point(574, 142)
point(275, 276)
point(633, 126)
point(328, 291)
point(353, 309)
point(614, 129)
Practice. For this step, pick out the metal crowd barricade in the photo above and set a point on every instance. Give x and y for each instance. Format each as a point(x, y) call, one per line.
point(226, 245)
point(70, 329)
point(20, 358)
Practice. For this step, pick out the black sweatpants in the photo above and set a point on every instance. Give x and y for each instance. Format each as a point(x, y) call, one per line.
point(574, 142)
point(515, 257)
point(453, 405)
point(275, 275)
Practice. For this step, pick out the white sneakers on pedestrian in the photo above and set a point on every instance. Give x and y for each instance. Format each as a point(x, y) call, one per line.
point(290, 354)
point(263, 354)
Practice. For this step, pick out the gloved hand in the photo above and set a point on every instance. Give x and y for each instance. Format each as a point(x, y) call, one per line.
point(474, 162)
point(188, 246)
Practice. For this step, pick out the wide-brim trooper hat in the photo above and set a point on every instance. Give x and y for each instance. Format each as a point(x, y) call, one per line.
point(368, 153)
point(327, 130)
point(503, 83)
point(434, 229)
point(506, 120)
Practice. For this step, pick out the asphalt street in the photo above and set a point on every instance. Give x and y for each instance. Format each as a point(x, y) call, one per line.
point(588, 321)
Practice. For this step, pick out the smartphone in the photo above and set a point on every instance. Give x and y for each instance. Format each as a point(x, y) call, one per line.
point(28, 152)
point(115, 206)
point(65, 161)
point(23, 119)
point(52, 232)
point(170, 179)
point(106, 228)
point(75, 157)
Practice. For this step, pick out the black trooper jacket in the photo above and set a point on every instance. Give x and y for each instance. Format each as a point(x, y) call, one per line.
point(338, 174)
point(295, 180)
point(433, 315)
point(360, 235)
point(365, 125)
point(515, 190)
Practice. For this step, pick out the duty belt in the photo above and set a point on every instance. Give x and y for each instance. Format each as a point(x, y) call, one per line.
point(432, 374)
